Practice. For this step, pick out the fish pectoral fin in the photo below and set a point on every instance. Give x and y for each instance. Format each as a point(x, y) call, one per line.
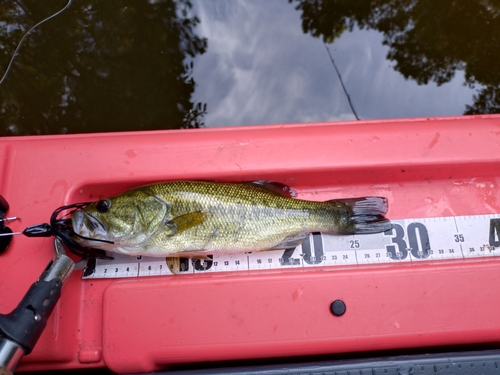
point(275, 187)
point(290, 242)
point(186, 221)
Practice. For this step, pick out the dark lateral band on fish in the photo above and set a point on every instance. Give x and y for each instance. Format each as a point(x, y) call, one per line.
point(199, 218)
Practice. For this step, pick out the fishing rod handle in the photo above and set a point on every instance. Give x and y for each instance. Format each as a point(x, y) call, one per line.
point(21, 328)
point(25, 324)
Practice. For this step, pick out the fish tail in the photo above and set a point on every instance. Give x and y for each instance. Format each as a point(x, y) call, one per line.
point(379, 225)
point(371, 206)
point(367, 215)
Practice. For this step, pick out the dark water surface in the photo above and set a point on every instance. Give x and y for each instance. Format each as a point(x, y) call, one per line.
point(140, 65)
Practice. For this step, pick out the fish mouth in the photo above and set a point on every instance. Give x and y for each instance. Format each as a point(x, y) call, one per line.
point(87, 226)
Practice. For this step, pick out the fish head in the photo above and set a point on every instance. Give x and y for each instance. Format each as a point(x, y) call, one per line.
point(122, 223)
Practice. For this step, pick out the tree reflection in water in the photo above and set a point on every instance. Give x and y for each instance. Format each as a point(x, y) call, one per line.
point(99, 66)
point(428, 40)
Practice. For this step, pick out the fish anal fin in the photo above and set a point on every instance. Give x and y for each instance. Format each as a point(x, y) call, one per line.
point(290, 242)
point(187, 221)
point(201, 257)
point(275, 187)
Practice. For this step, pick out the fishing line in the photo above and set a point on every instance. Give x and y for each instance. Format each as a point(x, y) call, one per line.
point(26, 34)
point(341, 82)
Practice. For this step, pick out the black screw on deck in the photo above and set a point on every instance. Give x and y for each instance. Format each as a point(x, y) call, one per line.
point(338, 307)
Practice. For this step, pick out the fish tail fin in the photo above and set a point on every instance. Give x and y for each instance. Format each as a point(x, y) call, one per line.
point(367, 215)
point(363, 226)
point(371, 206)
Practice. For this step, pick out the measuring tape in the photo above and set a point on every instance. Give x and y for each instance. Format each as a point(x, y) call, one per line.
point(409, 240)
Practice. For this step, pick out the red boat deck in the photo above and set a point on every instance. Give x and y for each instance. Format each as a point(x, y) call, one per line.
point(430, 167)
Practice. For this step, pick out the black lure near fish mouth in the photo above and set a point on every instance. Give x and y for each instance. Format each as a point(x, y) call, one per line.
point(62, 228)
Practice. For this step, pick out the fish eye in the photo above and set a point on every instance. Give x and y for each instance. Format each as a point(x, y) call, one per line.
point(103, 205)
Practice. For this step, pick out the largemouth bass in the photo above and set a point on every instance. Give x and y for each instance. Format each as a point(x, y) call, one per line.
point(194, 219)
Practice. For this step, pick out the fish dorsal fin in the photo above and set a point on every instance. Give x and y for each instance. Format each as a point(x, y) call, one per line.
point(275, 187)
point(186, 221)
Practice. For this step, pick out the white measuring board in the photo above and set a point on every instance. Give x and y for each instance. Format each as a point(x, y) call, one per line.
point(409, 240)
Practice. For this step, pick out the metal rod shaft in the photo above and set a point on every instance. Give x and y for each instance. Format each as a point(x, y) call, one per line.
point(10, 355)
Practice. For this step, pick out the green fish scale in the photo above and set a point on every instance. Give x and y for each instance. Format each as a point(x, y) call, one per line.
point(240, 217)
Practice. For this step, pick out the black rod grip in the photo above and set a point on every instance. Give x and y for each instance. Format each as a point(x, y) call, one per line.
point(25, 324)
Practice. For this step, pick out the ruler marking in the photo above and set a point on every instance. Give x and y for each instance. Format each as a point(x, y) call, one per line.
point(410, 240)
point(456, 225)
